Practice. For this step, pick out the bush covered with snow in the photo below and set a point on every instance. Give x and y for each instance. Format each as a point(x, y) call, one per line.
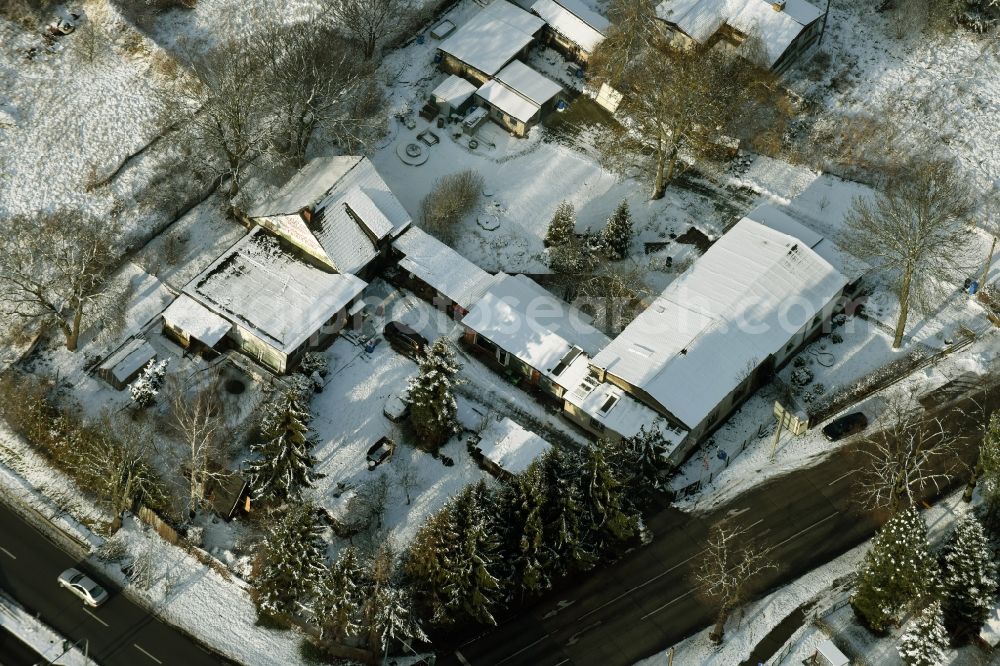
point(453, 197)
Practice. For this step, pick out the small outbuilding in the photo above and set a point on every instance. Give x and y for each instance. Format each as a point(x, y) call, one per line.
point(192, 324)
point(453, 95)
point(121, 367)
point(828, 654)
point(518, 96)
point(505, 449)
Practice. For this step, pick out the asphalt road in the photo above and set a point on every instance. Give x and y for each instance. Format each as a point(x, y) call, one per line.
point(119, 633)
point(646, 602)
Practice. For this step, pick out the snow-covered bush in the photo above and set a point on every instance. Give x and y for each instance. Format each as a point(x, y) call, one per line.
point(147, 385)
point(314, 362)
point(454, 196)
point(802, 376)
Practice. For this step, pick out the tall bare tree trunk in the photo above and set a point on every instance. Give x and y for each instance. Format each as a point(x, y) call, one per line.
point(904, 308)
point(719, 629)
point(73, 331)
point(658, 183)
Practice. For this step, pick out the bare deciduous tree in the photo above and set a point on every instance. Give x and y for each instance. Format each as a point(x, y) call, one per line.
point(727, 571)
point(917, 227)
point(454, 196)
point(231, 130)
point(369, 22)
point(316, 87)
point(53, 267)
point(116, 460)
point(907, 454)
point(678, 99)
point(197, 416)
point(633, 27)
point(618, 293)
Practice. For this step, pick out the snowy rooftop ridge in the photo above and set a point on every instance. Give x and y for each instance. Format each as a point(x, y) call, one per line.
point(448, 272)
point(266, 289)
point(493, 36)
point(742, 301)
point(522, 318)
point(573, 20)
point(352, 210)
point(699, 19)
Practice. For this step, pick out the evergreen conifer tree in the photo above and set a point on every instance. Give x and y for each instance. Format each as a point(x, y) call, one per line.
point(531, 556)
point(989, 471)
point(616, 237)
point(562, 228)
point(146, 386)
point(564, 532)
point(342, 596)
point(473, 586)
point(293, 567)
point(968, 577)
point(433, 410)
point(925, 639)
point(898, 571)
point(612, 521)
point(283, 463)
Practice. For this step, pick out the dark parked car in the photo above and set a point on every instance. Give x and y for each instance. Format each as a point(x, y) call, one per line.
point(404, 339)
point(380, 451)
point(845, 426)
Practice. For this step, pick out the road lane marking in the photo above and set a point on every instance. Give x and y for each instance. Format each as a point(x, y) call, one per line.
point(96, 618)
point(575, 638)
point(9, 554)
point(136, 646)
point(842, 477)
point(461, 658)
point(674, 600)
point(805, 529)
point(641, 585)
point(525, 648)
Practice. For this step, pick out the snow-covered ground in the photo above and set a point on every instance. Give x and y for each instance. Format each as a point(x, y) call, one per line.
point(39, 636)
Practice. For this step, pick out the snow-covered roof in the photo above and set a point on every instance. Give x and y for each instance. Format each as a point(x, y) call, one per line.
point(528, 83)
point(832, 654)
point(128, 360)
point(780, 220)
point(699, 19)
point(448, 272)
point(739, 303)
point(509, 446)
point(262, 286)
point(454, 91)
point(352, 209)
point(531, 324)
point(493, 36)
point(519, 91)
point(507, 100)
point(619, 412)
point(196, 320)
point(574, 21)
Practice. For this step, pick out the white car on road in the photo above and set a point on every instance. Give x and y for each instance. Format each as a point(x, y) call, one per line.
point(79, 584)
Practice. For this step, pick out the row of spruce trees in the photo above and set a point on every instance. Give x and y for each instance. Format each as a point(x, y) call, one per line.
point(949, 593)
point(497, 545)
point(568, 255)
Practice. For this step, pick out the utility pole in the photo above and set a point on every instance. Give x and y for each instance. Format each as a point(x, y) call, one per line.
point(826, 15)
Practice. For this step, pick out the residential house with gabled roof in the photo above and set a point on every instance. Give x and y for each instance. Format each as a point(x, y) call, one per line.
point(786, 28)
point(337, 210)
point(517, 97)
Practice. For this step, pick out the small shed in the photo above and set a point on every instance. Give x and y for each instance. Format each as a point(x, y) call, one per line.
point(506, 449)
point(124, 365)
point(453, 95)
point(229, 495)
point(518, 96)
point(828, 654)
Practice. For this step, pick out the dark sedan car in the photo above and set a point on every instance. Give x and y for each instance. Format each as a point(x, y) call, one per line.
point(404, 339)
point(845, 426)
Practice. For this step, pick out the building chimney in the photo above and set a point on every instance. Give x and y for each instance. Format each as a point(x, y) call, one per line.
point(306, 214)
point(778, 5)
